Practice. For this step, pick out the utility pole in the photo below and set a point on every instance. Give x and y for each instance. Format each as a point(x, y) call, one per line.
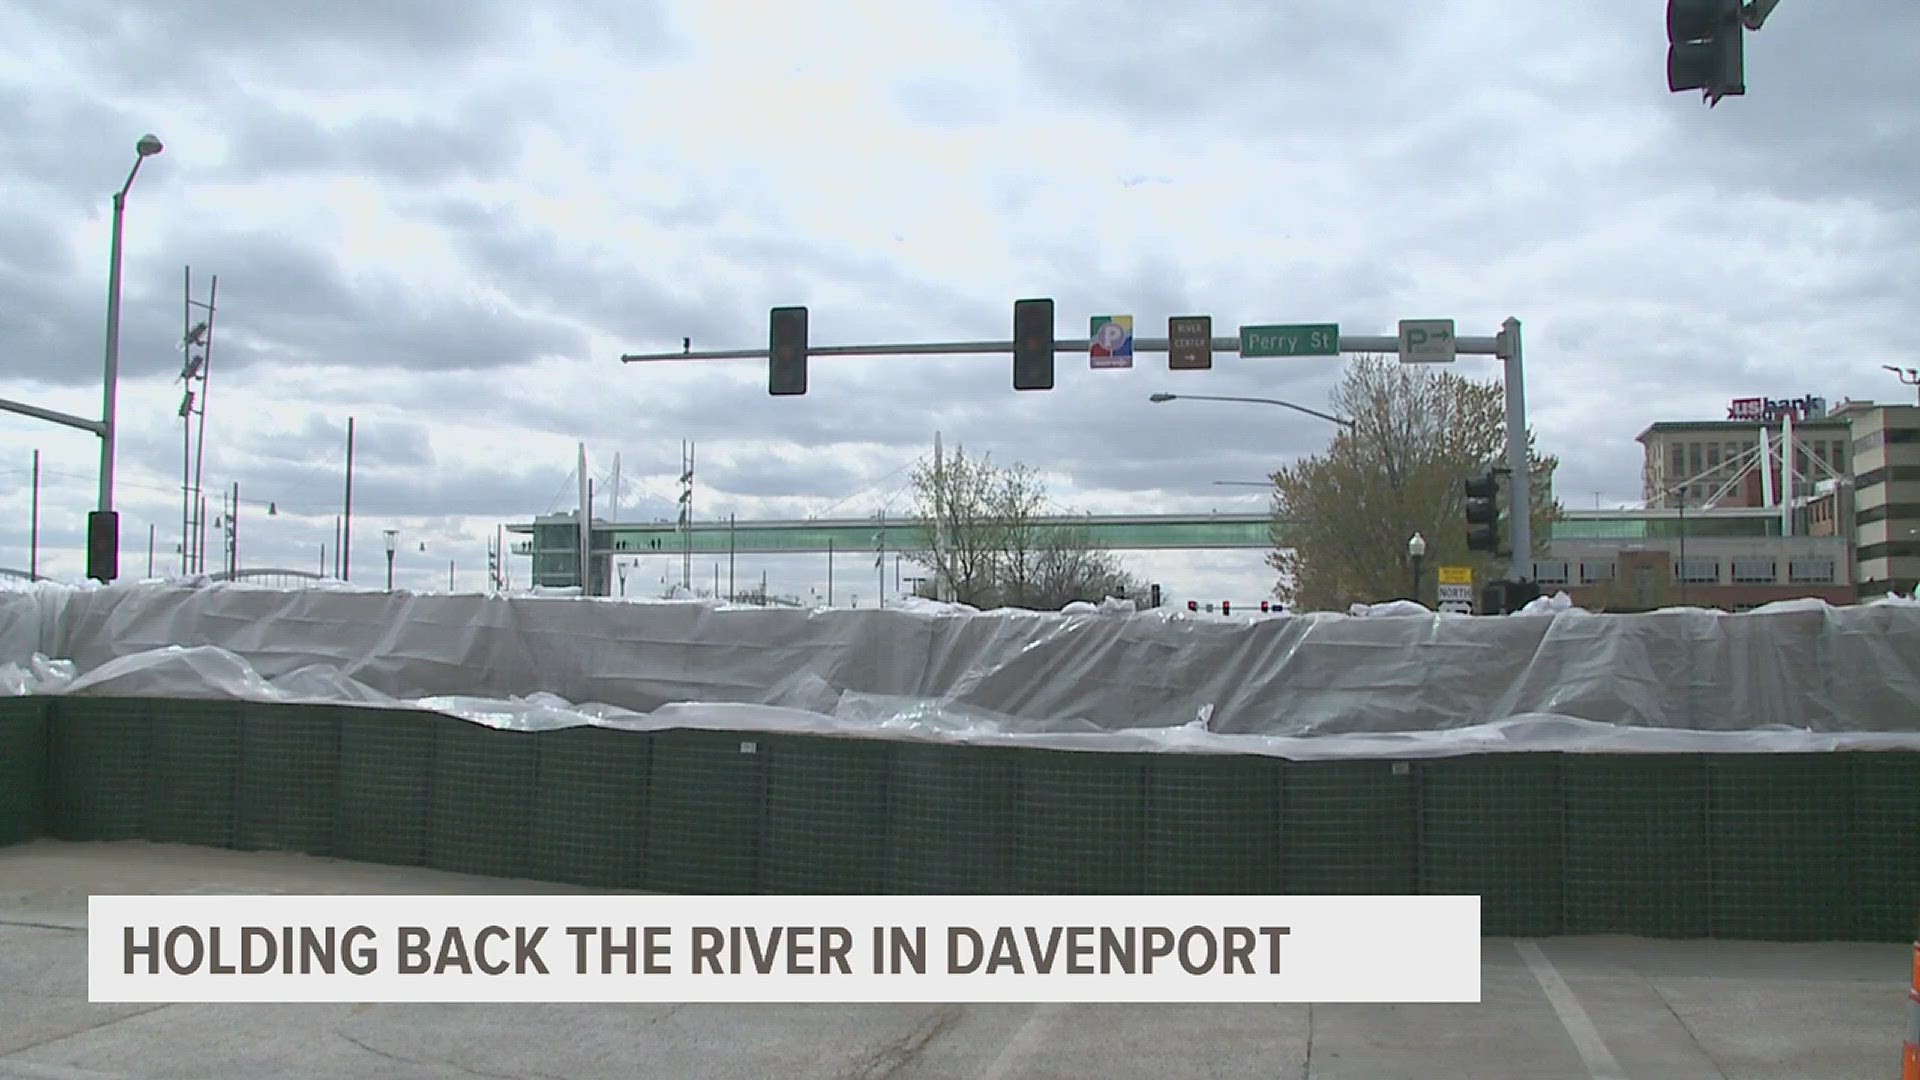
point(686, 516)
point(33, 543)
point(346, 529)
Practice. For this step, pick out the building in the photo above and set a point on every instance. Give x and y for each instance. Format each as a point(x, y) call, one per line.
point(1734, 558)
point(1853, 476)
point(1738, 461)
point(1886, 496)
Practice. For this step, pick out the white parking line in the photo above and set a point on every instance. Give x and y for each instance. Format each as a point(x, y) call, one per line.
point(1586, 1038)
point(1024, 1041)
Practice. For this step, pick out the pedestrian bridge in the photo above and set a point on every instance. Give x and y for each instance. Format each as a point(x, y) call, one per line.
point(559, 533)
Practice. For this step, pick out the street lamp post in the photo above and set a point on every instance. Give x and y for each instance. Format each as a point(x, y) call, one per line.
point(1416, 553)
point(103, 525)
point(1909, 376)
point(1344, 422)
point(393, 538)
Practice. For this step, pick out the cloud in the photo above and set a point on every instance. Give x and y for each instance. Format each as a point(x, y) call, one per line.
point(449, 221)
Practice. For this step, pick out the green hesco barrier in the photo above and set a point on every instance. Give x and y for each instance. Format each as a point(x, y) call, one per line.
point(826, 816)
point(1493, 828)
point(100, 751)
point(1779, 844)
point(1638, 861)
point(25, 773)
point(1773, 847)
point(193, 771)
point(482, 802)
point(1080, 823)
point(1885, 810)
point(1349, 828)
point(705, 815)
point(952, 820)
point(1213, 825)
point(589, 820)
point(289, 777)
point(384, 794)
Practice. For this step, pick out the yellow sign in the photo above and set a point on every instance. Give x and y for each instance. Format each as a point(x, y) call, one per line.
point(1456, 575)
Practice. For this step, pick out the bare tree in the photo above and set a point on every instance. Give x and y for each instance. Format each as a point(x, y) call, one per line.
point(1343, 518)
point(995, 550)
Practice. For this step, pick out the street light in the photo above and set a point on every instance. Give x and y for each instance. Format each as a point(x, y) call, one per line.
point(103, 526)
point(393, 539)
point(1909, 376)
point(1416, 551)
point(1157, 398)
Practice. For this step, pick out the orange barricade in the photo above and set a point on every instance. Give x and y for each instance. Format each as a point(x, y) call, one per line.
point(1910, 1051)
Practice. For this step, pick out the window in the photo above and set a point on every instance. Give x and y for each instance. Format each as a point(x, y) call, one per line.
point(1698, 571)
point(1755, 571)
point(1550, 573)
point(1902, 435)
point(1810, 571)
point(1693, 460)
point(1713, 456)
point(1593, 573)
point(1840, 457)
point(1867, 444)
point(1677, 467)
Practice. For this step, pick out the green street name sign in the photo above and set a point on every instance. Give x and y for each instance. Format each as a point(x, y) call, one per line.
point(1306, 339)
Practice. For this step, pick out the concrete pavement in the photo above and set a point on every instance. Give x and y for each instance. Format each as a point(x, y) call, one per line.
point(1578, 1009)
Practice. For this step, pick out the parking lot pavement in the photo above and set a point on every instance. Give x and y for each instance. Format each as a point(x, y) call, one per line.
point(1578, 1008)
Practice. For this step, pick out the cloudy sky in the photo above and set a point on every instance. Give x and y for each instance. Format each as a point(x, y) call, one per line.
point(448, 219)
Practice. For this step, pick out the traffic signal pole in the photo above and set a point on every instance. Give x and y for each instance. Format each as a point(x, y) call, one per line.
point(1504, 345)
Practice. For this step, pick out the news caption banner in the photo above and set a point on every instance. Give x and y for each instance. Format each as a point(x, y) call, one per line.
point(763, 949)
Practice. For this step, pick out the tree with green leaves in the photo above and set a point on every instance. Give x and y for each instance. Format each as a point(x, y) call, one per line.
point(1342, 519)
point(980, 529)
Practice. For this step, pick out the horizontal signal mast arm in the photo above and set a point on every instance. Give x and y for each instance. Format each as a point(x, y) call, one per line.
point(1484, 346)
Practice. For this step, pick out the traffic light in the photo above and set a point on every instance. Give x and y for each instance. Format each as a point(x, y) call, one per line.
point(1156, 595)
point(1704, 48)
point(1265, 606)
point(1226, 607)
point(787, 352)
point(1033, 344)
point(1193, 605)
point(1483, 512)
point(103, 545)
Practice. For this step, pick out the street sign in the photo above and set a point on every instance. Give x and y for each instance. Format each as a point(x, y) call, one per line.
point(1110, 341)
point(1426, 341)
point(1302, 339)
point(1457, 598)
point(1190, 343)
point(1456, 589)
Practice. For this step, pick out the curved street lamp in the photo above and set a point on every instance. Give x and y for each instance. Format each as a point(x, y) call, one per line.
point(1157, 398)
point(106, 519)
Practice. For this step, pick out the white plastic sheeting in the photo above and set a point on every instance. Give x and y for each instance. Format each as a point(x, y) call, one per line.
point(1404, 682)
